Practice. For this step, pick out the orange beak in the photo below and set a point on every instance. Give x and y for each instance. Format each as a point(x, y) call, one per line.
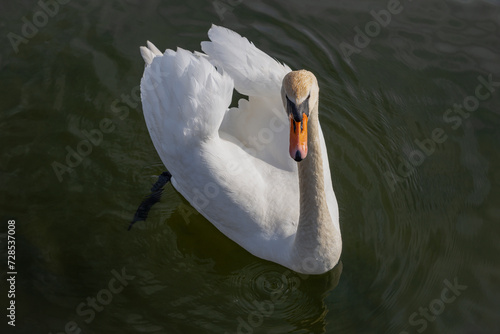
point(298, 138)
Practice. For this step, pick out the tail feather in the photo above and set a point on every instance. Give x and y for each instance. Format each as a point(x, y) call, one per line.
point(149, 52)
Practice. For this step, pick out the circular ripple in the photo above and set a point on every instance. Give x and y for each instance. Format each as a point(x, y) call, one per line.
point(260, 281)
point(269, 294)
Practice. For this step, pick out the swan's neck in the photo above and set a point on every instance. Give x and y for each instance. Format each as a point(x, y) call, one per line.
point(317, 243)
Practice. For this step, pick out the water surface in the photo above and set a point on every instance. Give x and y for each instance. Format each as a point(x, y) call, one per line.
point(417, 175)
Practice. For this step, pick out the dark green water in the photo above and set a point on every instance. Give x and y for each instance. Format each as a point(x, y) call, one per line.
point(411, 118)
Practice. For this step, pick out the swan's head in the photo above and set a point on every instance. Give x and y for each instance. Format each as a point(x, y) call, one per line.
point(300, 97)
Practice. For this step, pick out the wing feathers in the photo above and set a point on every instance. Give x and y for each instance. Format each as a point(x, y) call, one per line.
point(185, 95)
point(254, 72)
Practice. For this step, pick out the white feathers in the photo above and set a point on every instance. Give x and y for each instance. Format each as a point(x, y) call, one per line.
point(254, 72)
point(185, 92)
point(149, 52)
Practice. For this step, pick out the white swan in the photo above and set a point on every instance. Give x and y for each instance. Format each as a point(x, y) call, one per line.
point(233, 164)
